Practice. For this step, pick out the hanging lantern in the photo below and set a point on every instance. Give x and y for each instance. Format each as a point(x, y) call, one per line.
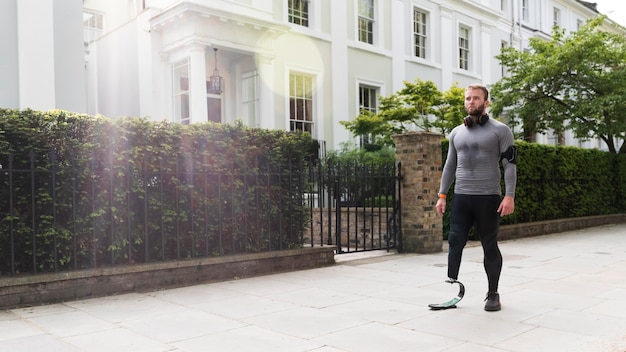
point(216, 82)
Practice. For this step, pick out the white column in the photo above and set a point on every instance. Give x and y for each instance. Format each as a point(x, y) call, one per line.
point(267, 100)
point(340, 85)
point(197, 84)
point(486, 57)
point(449, 41)
point(164, 90)
point(36, 54)
point(398, 28)
point(147, 86)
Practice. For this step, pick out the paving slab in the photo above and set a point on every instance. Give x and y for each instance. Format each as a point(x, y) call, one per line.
point(560, 292)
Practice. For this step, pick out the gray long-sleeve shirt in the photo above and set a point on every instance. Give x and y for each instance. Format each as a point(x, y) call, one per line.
point(473, 158)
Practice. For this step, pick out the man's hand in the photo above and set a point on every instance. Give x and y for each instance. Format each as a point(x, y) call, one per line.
point(507, 206)
point(441, 206)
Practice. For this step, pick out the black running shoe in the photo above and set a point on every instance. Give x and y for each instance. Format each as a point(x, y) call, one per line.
point(492, 302)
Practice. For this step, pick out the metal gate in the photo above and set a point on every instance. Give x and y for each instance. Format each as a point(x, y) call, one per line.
point(356, 207)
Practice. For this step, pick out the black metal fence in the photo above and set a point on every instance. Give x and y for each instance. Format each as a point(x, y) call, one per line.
point(63, 217)
point(356, 207)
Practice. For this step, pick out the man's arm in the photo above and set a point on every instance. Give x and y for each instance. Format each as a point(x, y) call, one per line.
point(509, 164)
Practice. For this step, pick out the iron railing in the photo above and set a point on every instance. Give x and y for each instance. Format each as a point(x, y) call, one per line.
point(64, 217)
point(356, 207)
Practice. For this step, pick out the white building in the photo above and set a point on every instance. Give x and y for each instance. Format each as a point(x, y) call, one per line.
point(42, 60)
point(283, 64)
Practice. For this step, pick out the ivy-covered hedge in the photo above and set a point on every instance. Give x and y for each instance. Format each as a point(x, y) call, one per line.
point(557, 182)
point(129, 190)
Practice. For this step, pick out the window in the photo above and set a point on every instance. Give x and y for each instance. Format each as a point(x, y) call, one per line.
point(525, 11)
point(556, 17)
point(367, 98)
point(214, 107)
point(180, 81)
point(93, 24)
point(503, 45)
point(366, 21)
point(298, 12)
point(300, 102)
point(419, 32)
point(367, 102)
point(250, 98)
point(579, 23)
point(464, 47)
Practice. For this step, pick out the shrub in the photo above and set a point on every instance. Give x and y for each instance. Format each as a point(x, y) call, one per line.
point(82, 191)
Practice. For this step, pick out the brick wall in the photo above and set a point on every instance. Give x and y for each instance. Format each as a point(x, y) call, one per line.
point(420, 155)
point(63, 286)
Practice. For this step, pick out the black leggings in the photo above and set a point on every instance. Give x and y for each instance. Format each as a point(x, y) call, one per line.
point(466, 211)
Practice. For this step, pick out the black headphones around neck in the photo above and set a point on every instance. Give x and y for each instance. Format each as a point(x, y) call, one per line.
point(467, 120)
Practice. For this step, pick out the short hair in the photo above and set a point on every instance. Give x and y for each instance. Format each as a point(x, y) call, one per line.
point(481, 87)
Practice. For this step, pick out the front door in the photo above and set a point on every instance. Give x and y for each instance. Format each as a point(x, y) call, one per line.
point(214, 107)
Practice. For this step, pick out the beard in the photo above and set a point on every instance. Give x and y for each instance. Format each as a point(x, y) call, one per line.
point(476, 112)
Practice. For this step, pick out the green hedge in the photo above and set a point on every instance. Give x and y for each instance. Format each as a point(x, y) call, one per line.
point(131, 190)
point(367, 175)
point(556, 182)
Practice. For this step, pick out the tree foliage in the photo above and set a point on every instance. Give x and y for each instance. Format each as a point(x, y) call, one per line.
point(419, 105)
point(573, 82)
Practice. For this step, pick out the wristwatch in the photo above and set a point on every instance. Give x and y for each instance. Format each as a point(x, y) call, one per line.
point(441, 195)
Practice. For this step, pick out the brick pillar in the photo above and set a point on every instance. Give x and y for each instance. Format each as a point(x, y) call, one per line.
point(420, 154)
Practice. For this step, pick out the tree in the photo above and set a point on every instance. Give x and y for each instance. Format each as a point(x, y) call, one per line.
point(452, 110)
point(417, 106)
point(575, 82)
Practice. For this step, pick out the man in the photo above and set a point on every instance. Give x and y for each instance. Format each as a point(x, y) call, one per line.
point(474, 153)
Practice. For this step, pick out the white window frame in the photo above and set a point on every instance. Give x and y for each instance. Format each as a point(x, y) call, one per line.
point(314, 22)
point(298, 16)
point(361, 86)
point(464, 46)
point(93, 25)
point(525, 10)
point(250, 98)
point(371, 21)
point(556, 16)
point(420, 33)
point(302, 100)
point(181, 97)
point(372, 99)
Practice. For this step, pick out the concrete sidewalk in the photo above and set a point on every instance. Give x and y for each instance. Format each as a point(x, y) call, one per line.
point(562, 292)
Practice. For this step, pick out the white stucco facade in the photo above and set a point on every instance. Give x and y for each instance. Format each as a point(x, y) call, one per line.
point(154, 58)
point(42, 56)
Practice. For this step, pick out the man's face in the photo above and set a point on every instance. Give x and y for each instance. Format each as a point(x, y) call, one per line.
point(475, 102)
